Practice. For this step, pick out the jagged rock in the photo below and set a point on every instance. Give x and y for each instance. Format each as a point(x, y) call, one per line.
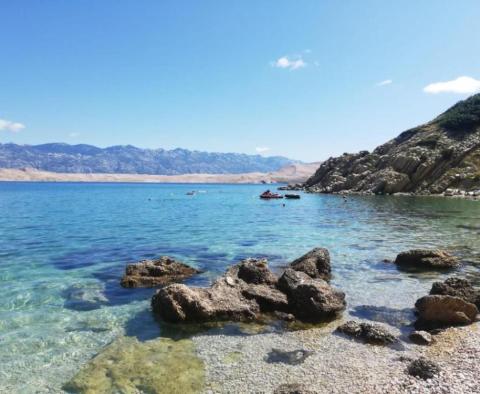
point(421, 337)
point(292, 388)
point(315, 264)
point(423, 368)
point(238, 296)
point(436, 311)
point(367, 332)
point(311, 299)
point(457, 287)
point(426, 258)
point(439, 156)
point(256, 272)
point(159, 272)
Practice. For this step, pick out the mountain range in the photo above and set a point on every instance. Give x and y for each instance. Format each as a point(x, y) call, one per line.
point(65, 158)
point(428, 159)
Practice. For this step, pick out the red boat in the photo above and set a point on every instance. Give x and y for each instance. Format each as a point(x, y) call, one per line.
point(267, 195)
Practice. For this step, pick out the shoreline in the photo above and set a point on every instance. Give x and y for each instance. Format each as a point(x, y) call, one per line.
point(296, 173)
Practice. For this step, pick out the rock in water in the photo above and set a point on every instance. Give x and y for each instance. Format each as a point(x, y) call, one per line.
point(315, 264)
point(421, 337)
point(159, 272)
point(457, 287)
point(159, 366)
point(436, 311)
point(367, 332)
point(311, 299)
point(423, 368)
point(256, 272)
point(427, 259)
point(245, 292)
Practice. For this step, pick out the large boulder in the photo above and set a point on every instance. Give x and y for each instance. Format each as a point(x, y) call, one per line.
point(311, 299)
point(457, 287)
point(443, 310)
point(247, 291)
point(427, 259)
point(158, 272)
point(179, 303)
point(367, 332)
point(315, 264)
point(255, 271)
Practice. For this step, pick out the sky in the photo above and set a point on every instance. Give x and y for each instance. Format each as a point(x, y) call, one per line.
point(306, 79)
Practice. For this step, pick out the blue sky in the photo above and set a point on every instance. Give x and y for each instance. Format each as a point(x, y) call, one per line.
point(296, 78)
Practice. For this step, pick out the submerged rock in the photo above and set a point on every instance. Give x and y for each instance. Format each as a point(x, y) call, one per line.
point(423, 368)
point(315, 264)
point(436, 311)
point(159, 272)
point(367, 332)
point(293, 357)
point(129, 366)
point(457, 287)
point(427, 259)
point(247, 291)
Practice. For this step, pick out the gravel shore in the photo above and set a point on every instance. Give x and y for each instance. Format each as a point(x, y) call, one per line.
point(325, 362)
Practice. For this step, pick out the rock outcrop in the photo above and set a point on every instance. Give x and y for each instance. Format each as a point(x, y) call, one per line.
point(158, 272)
point(246, 292)
point(315, 264)
point(367, 332)
point(427, 259)
point(442, 154)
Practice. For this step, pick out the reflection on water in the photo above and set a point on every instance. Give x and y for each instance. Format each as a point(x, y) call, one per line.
point(64, 247)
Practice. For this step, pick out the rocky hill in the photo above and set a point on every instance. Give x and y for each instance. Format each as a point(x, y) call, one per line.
point(439, 155)
point(128, 159)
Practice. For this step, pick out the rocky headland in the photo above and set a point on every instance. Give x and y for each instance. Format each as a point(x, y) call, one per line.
point(439, 157)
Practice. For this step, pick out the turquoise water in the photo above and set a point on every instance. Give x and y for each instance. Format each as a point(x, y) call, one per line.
point(63, 249)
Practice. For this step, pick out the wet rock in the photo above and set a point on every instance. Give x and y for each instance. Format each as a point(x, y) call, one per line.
point(426, 258)
point(315, 264)
point(367, 332)
point(130, 366)
point(457, 287)
point(443, 310)
point(421, 338)
point(238, 296)
point(159, 272)
point(292, 388)
point(423, 368)
point(179, 303)
point(293, 357)
point(269, 299)
point(311, 299)
point(256, 272)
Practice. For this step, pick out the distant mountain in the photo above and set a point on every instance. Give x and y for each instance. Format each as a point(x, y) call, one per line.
point(65, 158)
point(441, 154)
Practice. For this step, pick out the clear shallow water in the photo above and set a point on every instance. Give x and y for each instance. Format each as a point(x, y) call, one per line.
point(63, 249)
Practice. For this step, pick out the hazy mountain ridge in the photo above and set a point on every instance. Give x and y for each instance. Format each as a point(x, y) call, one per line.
point(82, 158)
point(441, 154)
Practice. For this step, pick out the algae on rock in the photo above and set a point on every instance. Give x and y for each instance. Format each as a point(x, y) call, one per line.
point(129, 366)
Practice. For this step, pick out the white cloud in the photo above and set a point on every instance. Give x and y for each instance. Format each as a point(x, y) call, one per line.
point(461, 85)
point(386, 82)
point(262, 149)
point(290, 63)
point(7, 125)
point(74, 135)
